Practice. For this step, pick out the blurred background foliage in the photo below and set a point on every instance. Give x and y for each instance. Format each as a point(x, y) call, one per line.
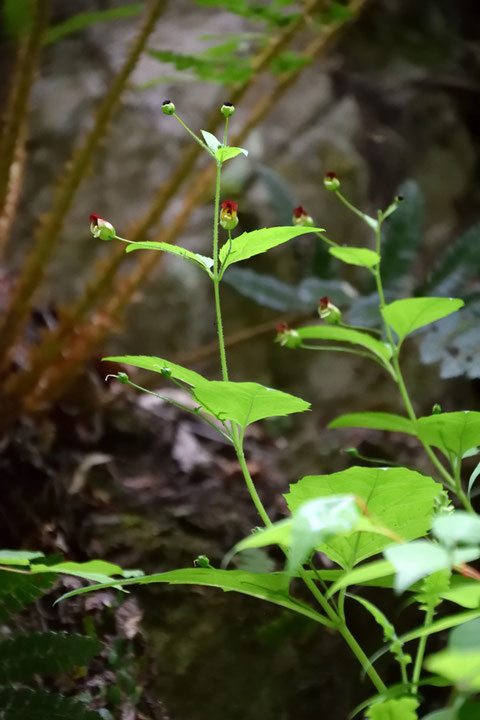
point(385, 93)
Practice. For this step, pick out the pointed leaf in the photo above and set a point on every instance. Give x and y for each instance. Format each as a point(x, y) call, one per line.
point(244, 402)
point(402, 500)
point(355, 256)
point(453, 433)
point(375, 421)
point(473, 477)
point(364, 575)
point(200, 260)
point(227, 153)
point(256, 242)
point(147, 362)
point(212, 142)
point(272, 587)
point(341, 334)
point(95, 570)
point(18, 557)
point(405, 316)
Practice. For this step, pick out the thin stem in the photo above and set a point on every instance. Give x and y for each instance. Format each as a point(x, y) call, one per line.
point(366, 218)
point(250, 484)
point(226, 132)
point(326, 239)
point(422, 643)
point(195, 137)
point(216, 279)
point(362, 658)
point(339, 348)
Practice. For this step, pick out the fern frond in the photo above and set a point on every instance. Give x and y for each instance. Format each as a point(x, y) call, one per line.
point(49, 653)
point(18, 590)
point(24, 704)
point(458, 264)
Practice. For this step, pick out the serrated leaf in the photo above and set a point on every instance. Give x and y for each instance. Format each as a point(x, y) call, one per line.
point(405, 316)
point(415, 560)
point(270, 587)
point(200, 260)
point(25, 656)
point(394, 709)
point(400, 499)
point(355, 256)
point(213, 143)
point(244, 402)
point(376, 421)
point(256, 242)
point(24, 704)
point(402, 237)
point(453, 433)
point(82, 20)
point(159, 365)
point(341, 334)
point(227, 153)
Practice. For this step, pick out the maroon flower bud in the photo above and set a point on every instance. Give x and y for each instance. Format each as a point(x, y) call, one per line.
point(328, 311)
point(302, 218)
point(331, 181)
point(228, 215)
point(287, 337)
point(101, 228)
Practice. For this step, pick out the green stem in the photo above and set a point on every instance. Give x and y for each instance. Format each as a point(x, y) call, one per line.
point(226, 132)
point(326, 239)
point(422, 643)
point(366, 218)
point(362, 658)
point(216, 279)
point(195, 137)
point(249, 482)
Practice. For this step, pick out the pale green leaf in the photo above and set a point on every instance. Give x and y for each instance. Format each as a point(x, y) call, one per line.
point(405, 316)
point(200, 260)
point(256, 242)
point(445, 623)
point(458, 527)
point(212, 142)
point(245, 402)
point(420, 558)
point(394, 709)
point(453, 433)
point(355, 256)
point(341, 334)
point(463, 591)
point(270, 587)
point(375, 421)
point(473, 477)
point(465, 636)
point(18, 557)
point(400, 499)
point(461, 667)
point(159, 365)
point(364, 575)
point(227, 153)
point(97, 571)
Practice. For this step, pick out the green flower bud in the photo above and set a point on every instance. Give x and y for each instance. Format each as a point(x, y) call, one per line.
point(123, 378)
point(302, 218)
point(227, 109)
point(287, 337)
point(228, 215)
point(436, 409)
point(202, 561)
point(101, 228)
point(328, 311)
point(331, 181)
point(168, 108)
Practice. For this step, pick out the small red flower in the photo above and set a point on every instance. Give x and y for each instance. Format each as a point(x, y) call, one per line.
point(324, 302)
point(101, 228)
point(301, 217)
point(228, 214)
point(299, 211)
point(94, 218)
point(282, 327)
point(230, 206)
point(331, 176)
point(331, 181)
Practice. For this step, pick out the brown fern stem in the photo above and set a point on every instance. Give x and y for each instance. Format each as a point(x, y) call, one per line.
point(47, 235)
point(58, 377)
point(13, 135)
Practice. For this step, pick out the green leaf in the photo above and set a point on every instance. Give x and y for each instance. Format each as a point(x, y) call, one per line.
point(213, 143)
point(25, 656)
point(200, 260)
point(375, 421)
point(95, 570)
point(465, 636)
point(363, 575)
point(147, 362)
point(24, 704)
point(420, 558)
point(461, 667)
point(341, 334)
point(245, 402)
point(463, 591)
point(472, 478)
point(400, 499)
point(227, 153)
point(355, 256)
point(85, 19)
point(17, 16)
point(405, 316)
point(18, 590)
point(395, 709)
point(453, 433)
point(18, 557)
point(457, 528)
point(402, 237)
point(313, 524)
point(256, 242)
point(270, 587)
